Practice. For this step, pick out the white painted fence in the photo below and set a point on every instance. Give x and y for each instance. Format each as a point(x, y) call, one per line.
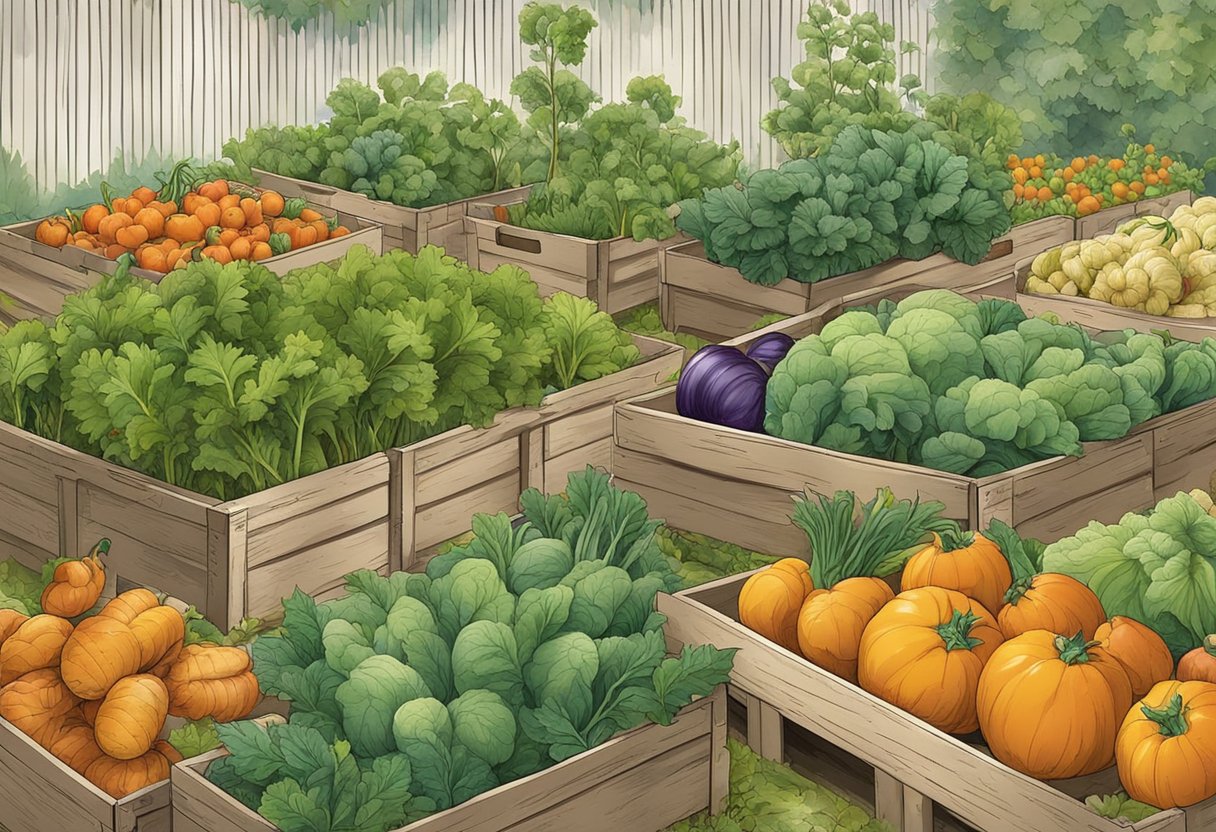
point(82, 80)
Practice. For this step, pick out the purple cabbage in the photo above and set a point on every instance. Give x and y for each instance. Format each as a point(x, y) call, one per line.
point(770, 349)
point(723, 386)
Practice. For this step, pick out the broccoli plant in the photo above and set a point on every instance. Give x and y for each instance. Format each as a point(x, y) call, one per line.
point(553, 96)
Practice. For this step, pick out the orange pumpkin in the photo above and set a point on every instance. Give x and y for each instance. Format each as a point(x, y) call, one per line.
point(1053, 602)
point(10, 620)
point(770, 600)
point(831, 622)
point(924, 652)
point(1050, 705)
point(37, 703)
point(1166, 749)
point(36, 644)
point(1144, 655)
point(1199, 665)
point(968, 563)
point(76, 584)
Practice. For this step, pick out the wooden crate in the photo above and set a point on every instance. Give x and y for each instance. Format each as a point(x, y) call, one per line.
point(38, 792)
point(715, 302)
point(915, 765)
point(618, 274)
point(736, 486)
point(36, 277)
point(404, 228)
point(642, 780)
point(1108, 219)
point(383, 512)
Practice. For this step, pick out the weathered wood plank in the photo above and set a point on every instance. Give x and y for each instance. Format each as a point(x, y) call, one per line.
point(461, 474)
point(450, 517)
point(597, 454)
point(578, 430)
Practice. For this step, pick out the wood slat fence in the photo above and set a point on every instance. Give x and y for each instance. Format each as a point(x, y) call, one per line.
point(82, 80)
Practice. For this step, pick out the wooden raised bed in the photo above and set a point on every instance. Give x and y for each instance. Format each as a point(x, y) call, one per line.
point(736, 486)
point(618, 274)
point(915, 765)
point(1108, 219)
point(39, 793)
point(404, 228)
point(641, 781)
point(36, 277)
point(715, 302)
point(383, 512)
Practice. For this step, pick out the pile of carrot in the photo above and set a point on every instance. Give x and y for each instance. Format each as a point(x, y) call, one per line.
point(167, 229)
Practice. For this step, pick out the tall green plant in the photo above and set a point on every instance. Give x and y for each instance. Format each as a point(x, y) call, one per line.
point(552, 95)
point(1074, 70)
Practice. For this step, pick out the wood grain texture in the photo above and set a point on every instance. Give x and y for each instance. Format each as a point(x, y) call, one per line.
point(644, 779)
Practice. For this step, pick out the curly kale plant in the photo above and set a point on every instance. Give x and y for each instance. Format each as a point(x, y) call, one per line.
point(873, 196)
point(975, 388)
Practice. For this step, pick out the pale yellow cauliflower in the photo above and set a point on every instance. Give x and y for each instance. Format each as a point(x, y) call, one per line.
point(1148, 280)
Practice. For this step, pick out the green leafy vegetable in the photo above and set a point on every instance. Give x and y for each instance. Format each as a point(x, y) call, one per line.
point(195, 737)
point(1120, 807)
point(21, 588)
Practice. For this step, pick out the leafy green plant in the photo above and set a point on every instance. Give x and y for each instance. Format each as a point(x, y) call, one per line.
point(20, 588)
point(1120, 807)
point(699, 559)
point(525, 647)
point(766, 796)
point(872, 196)
point(298, 13)
point(975, 388)
point(18, 192)
point(226, 379)
point(628, 163)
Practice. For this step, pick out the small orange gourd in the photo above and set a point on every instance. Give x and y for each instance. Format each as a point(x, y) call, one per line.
point(36, 644)
point(75, 745)
point(119, 778)
point(1166, 748)
point(968, 562)
point(924, 652)
point(211, 681)
point(831, 623)
point(1050, 705)
point(1144, 655)
point(131, 716)
point(36, 703)
point(1199, 665)
point(770, 600)
point(1051, 601)
point(88, 710)
point(100, 651)
point(10, 620)
point(76, 584)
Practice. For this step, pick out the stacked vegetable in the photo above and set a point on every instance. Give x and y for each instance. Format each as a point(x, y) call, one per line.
point(984, 636)
point(945, 382)
point(93, 684)
point(1046, 185)
point(415, 142)
point(871, 196)
point(416, 692)
point(184, 222)
point(1151, 264)
point(226, 379)
point(613, 171)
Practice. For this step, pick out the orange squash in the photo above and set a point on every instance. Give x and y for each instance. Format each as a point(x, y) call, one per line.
point(161, 631)
point(831, 622)
point(36, 644)
point(119, 778)
point(100, 651)
point(1053, 602)
point(131, 716)
point(1144, 655)
point(130, 604)
point(968, 563)
point(76, 584)
point(770, 600)
point(75, 745)
point(1166, 749)
point(36, 703)
point(10, 620)
point(211, 681)
point(1199, 665)
point(924, 652)
point(1050, 705)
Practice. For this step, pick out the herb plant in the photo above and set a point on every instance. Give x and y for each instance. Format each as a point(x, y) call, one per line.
point(226, 379)
point(524, 647)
